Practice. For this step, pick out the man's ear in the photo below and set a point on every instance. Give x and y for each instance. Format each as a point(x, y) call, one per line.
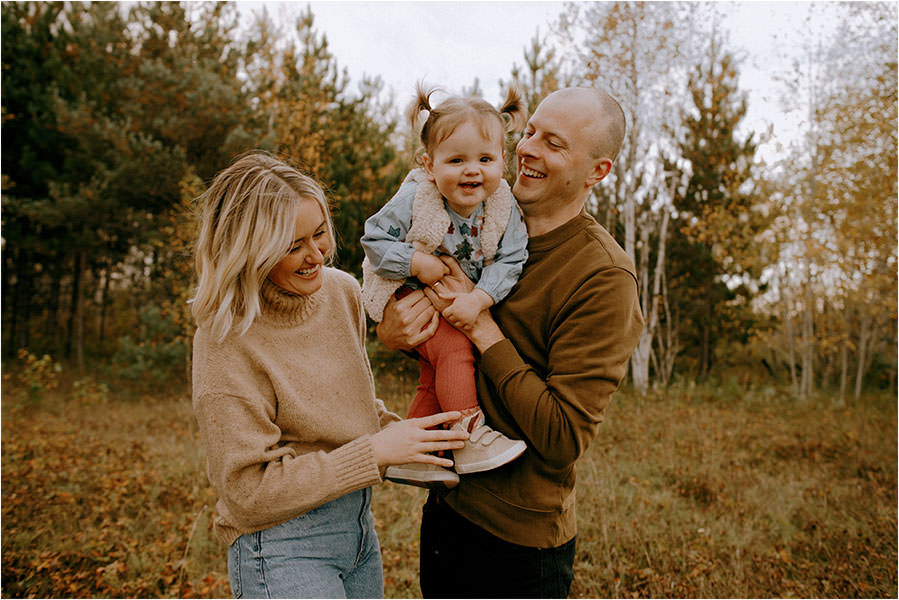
point(428, 163)
point(601, 168)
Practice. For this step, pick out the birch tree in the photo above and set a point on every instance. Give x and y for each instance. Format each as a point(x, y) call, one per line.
point(640, 52)
point(840, 196)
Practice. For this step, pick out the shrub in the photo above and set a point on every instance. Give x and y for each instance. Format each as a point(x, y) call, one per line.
point(158, 355)
point(38, 375)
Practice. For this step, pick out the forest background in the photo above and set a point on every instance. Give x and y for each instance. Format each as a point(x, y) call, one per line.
point(772, 278)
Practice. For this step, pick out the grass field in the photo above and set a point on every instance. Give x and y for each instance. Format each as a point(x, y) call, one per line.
point(691, 492)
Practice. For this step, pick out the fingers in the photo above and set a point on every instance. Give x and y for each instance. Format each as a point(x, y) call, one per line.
point(452, 265)
point(414, 302)
point(433, 459)
point(430, 329)
point(419, 317)
point(438, 419)
point(436, 299)
point(444, 291)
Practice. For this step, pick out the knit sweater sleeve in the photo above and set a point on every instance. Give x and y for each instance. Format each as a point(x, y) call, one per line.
point(385, 417)
point(261, 480)
point(590, 343)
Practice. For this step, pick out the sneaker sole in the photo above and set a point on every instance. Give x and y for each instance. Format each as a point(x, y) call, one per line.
point(430, 480)
point(493, 462)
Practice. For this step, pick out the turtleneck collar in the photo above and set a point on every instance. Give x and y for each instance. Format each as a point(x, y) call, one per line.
point(283, 308)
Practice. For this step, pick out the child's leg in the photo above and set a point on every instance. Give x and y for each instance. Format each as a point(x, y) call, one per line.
point(452, 357)
point(425, 402)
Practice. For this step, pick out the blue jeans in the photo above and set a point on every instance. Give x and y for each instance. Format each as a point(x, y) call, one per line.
point(329, 552)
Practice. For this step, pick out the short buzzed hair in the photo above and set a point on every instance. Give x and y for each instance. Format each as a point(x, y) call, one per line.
point(612, 128)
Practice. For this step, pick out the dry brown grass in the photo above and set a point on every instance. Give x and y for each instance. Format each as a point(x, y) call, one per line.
point(694, 492)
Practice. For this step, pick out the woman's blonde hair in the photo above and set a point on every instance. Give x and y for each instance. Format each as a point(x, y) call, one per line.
point(443, 119)
point(247, 222)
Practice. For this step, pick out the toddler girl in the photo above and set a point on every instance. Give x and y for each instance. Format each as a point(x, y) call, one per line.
point(459, 205)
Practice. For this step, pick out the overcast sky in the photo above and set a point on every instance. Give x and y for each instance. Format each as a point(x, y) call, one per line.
point(450, 43)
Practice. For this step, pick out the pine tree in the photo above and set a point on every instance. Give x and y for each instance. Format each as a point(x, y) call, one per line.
point(717, 220)
point(343, 140)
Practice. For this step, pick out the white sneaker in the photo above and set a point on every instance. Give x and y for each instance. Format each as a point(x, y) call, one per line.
point(485, 448)
point(422, 475)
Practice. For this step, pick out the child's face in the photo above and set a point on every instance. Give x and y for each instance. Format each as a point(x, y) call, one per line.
point(466, 167)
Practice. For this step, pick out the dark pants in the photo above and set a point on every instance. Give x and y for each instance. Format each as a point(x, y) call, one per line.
point(461, 560)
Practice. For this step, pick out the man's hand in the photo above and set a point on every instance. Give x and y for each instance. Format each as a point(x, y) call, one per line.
point(408, 322)
point(484, 332)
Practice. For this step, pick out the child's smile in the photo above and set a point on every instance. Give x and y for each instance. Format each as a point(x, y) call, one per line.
point(467, 166)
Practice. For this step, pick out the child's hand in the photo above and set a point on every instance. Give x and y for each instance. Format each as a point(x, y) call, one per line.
point(464, 310)
point(427, 268)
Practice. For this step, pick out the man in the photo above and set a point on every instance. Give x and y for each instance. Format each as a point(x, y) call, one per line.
point(551, 356)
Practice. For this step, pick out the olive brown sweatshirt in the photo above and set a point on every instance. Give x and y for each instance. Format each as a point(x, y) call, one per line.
point(286, 411)
point(571, 324)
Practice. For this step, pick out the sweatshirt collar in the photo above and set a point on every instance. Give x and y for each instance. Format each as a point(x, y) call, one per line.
point(560, 234)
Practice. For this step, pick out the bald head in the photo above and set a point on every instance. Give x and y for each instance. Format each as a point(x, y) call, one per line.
point(604, 116)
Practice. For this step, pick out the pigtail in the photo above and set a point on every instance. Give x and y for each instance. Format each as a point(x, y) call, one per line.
point(421, 103)
point(514, 110)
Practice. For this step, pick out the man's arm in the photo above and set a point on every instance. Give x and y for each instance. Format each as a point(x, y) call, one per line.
point(588, 346)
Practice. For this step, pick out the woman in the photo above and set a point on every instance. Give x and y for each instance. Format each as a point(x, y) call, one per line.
point(284, 395)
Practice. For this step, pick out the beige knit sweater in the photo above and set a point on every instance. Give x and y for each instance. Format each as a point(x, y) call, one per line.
point(286, 411)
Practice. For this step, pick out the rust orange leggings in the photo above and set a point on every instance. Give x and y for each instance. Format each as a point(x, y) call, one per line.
point(447, 378)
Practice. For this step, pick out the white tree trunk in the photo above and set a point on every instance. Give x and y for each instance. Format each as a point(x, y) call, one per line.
point(864, 339)
point(649, 302)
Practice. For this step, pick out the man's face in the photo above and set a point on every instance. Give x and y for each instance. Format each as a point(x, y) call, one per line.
point(555, 167)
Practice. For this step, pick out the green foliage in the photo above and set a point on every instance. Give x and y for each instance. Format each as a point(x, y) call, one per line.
point(156, 356)
point(717, 222)
point(341, 139)
point(88, 390)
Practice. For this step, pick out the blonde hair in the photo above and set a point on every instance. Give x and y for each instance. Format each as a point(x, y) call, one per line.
point(443, 119)
point(247, 222)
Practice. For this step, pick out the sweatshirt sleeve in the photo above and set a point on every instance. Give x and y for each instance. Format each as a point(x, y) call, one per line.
point(588, 351)
point(262, 481)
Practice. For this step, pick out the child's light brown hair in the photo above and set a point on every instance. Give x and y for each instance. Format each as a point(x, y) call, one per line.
point(450, 113)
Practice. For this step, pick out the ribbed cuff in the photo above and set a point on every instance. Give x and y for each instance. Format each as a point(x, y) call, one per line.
point(355, 465)
point(501, 360)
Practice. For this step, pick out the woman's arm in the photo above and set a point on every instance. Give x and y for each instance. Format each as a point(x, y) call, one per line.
point(263, 481)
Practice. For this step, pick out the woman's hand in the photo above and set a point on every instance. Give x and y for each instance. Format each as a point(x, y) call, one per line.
point(408, 322)
point(412, 441)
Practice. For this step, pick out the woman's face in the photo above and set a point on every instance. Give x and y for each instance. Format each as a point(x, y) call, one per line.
point(300, 271)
